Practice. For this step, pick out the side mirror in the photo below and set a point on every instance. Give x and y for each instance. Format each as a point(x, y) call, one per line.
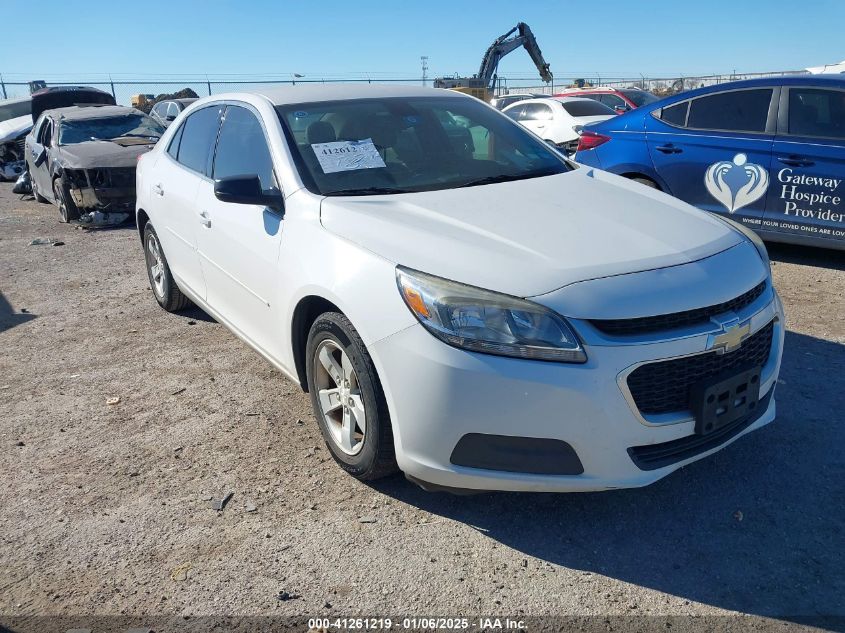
point(170, 117)
point(247, 190)
point(623, 108)
point(42, 156)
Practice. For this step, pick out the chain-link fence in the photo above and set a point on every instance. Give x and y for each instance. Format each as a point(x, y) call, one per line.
point(124, 90)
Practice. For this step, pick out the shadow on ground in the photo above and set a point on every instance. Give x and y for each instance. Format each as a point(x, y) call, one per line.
point(8, 317)
point(807, 256)
point(756, 528)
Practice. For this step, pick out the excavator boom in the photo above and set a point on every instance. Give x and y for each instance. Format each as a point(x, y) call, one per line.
point(508, 43)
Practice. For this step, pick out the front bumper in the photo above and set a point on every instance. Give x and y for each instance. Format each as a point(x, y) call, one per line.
point(438, 394)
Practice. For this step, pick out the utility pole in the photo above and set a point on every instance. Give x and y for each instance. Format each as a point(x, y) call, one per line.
point(424, 63)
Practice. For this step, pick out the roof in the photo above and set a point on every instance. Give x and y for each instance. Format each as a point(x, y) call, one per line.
point(836, 81)
point(306, 93)
point(185, 101)
point(78, 113)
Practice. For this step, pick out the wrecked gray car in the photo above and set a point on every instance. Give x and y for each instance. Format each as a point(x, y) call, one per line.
point(83, 159)
point(15, 124)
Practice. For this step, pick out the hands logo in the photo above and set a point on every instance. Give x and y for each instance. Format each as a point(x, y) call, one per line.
point(736, 184)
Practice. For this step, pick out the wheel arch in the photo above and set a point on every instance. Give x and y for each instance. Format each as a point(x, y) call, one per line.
point(636, 174)
point(141, 221)
point(307, 310)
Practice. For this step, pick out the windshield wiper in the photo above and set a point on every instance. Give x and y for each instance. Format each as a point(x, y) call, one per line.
point(368, 191)
point(137, 136)
point(490, 180)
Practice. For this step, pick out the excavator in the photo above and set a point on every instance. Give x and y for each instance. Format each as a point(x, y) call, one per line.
point(483, 84)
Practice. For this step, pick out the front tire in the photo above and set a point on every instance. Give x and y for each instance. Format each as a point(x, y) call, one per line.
point(648, 182)
point(163, 285)
point(348, 399)
point(67, 208)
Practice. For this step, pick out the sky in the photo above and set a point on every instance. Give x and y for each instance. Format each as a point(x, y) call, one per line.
point(344, 38)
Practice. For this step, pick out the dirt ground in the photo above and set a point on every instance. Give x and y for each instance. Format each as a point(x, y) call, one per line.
point(104, 507)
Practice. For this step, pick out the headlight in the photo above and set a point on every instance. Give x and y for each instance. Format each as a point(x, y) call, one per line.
point(752, 237)
point(488, 322)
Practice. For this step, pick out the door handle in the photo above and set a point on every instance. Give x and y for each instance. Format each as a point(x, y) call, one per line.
point(796, 161)
point(205, 220)
point(157, 190)
point(669, 149)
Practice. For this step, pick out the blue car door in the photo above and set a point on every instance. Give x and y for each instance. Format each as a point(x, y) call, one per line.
point(809, 162)
point(714, 151)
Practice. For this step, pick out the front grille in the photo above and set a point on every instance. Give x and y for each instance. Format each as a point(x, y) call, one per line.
point(21, 145)
point(664, 386)
point(643, 325)
point(654, 456)
point(113, 177)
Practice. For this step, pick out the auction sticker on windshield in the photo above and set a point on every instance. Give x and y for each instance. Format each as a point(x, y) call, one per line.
point(347, 155)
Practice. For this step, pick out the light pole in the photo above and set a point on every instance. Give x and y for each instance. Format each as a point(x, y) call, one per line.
point(424, 62)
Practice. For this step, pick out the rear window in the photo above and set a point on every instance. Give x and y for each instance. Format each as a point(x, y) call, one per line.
point(734, 111)
point(587, 107)
point(675, 114)
point(639, 97)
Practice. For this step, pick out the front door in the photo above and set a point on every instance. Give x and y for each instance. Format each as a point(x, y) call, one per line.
point(808, 195)
point(174, 181)
point(42, 139)
point(714, 151)
point(238, 244)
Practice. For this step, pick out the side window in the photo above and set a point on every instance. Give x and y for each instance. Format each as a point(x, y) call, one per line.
point(516, 113)
point(172, 109)
point(198, 135)
point(173, 148)
point(537, 112)
point(735, 111)
point(46, 135)
point(612, 101)
point(159, 109)
point(242, 148)
point(675, 114)
point(817, 112)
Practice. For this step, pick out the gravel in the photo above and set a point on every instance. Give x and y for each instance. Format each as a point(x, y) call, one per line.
point(100, 513)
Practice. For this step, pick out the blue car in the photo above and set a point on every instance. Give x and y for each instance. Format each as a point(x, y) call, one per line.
point(769, 153)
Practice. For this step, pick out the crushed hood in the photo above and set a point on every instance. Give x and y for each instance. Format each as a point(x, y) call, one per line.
point(98, 154)
point(13, 128)
point(530, 237)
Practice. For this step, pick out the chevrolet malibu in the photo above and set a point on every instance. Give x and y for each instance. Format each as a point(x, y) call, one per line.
point(461, 302)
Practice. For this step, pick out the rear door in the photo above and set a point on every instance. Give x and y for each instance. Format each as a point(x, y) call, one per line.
point(174, 181)
point(239, 243)
point(809, 163)
point(714, 151)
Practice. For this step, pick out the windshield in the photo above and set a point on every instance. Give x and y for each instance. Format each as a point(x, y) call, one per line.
point(640, 97)
point(108, 128)
point(398, 145)
point(14, 110)
point(587, 107)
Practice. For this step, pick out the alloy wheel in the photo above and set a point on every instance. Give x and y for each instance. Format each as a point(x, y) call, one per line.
point(155, 264)
point(339, 395)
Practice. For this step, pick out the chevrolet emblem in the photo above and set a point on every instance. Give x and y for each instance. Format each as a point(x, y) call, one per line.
point(731, 338)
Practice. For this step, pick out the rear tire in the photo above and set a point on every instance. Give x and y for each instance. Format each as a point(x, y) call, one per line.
point(67, 208)
point(162, 284)
point(348, 400)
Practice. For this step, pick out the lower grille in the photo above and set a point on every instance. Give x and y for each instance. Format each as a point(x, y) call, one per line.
point(664, 386)
point(112, 177)
point(654, 456)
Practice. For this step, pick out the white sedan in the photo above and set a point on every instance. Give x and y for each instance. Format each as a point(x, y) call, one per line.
point(461, 302)
point(559, 120)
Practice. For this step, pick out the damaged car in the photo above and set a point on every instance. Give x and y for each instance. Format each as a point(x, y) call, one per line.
point(83, 160)
point(15, 124)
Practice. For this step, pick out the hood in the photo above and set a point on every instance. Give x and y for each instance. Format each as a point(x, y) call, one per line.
point(13, 128)
point(530, 237)
point(98, 154)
